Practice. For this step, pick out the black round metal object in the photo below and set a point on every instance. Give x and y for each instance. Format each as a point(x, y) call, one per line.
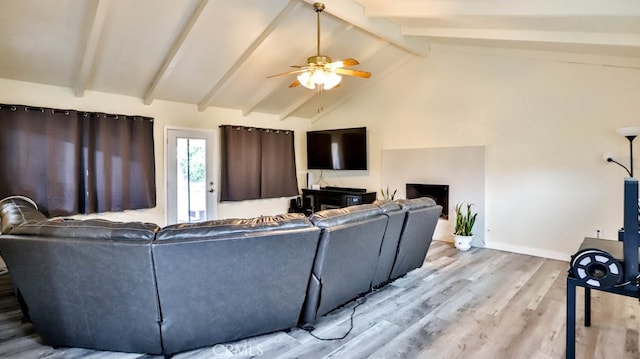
point(596, 268)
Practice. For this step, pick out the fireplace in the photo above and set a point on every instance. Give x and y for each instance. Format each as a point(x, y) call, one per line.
point(438, 192)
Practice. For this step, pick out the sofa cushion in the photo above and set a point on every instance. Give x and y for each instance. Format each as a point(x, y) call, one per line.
point(16, 210)
point(334, 217)
point(225, 227)
point(89, 229)
point(422, 215)
point(387, 205)
point(389, 246)
point(415, 203)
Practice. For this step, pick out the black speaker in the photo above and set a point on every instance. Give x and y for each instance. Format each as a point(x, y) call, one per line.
point(295, 205)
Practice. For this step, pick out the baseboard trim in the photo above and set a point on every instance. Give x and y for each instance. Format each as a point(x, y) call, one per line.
point(536, 252)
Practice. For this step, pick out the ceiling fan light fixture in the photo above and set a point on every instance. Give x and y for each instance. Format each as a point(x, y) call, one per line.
point(320, 70)
point(331, 80)
point(319, 77)
point(306, 81)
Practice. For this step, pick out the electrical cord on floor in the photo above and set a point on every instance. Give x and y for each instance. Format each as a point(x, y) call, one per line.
point(310, 329)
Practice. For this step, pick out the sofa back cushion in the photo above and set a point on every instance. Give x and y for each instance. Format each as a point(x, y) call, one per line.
point(335, 217)
point(220, 281)
point(88, 229)
point(389, 246)
point(416, 203)
point(387, 205)
point(417, 234)
point(346, 259)
point(232, 226)
point(87, 283)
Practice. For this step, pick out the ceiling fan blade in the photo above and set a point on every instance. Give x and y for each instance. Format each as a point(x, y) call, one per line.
point(296, 83)
point(288, 73)
point(344, 63)
point(357, 73)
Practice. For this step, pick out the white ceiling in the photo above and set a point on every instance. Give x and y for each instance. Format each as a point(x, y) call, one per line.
point(219, 52)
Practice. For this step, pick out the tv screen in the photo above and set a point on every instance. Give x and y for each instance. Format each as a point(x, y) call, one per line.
point(341, 149)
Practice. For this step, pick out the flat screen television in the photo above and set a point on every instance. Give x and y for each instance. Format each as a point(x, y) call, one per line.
point(340, 149)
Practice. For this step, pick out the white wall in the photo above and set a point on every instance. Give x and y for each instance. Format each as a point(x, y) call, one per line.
point(545, 125)
point(165, 113)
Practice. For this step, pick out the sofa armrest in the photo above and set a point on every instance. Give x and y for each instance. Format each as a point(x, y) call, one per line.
point(16, 210)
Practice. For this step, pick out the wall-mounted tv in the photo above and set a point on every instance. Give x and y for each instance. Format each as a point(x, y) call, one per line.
point(340, 149)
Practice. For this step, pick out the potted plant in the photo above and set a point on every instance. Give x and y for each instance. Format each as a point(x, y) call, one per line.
point(388, 195)
point(463, 232)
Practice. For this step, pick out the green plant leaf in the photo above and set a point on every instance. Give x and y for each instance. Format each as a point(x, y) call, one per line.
point(464, 221)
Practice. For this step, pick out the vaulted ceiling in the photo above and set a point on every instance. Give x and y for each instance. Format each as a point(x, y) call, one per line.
point(219, 52)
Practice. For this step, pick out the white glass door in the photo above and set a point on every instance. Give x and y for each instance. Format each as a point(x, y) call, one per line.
point(191, 193)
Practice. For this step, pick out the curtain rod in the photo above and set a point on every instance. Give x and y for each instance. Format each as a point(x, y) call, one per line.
point(68, 112)
point(251, 128)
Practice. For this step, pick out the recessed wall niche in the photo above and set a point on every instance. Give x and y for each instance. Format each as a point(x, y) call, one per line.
point(462, 168)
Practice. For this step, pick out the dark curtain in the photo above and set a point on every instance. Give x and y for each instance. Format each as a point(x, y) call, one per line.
point(62, 170)
point(52, 157)
point(278, 171)
point(256, 163)
point(120, 162)
point(240, 163)
point(40, 151)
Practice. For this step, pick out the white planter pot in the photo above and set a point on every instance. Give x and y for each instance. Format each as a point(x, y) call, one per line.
point(463, 243)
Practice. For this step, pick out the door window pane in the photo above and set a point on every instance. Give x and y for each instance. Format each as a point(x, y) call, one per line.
point(191, 179)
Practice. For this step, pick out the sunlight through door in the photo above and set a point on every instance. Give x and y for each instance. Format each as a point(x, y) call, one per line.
point(189, 186)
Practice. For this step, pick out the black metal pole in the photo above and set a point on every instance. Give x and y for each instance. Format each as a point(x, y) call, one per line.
point(631, 154)
point(630, 244)
point(570, 351)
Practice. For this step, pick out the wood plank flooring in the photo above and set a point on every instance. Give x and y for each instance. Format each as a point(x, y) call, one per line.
point(477, 304)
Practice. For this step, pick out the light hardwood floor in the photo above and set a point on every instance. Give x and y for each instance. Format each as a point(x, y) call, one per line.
point(477, 304)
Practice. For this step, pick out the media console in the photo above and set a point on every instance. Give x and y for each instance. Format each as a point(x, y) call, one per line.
point(334, 197)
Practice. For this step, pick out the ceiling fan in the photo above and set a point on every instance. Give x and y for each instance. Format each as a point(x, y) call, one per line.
point(320, 70)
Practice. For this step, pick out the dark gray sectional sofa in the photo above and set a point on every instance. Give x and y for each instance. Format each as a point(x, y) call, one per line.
point(136, 287)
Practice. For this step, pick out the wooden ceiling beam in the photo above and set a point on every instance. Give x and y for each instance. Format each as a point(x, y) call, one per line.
point(208, 99)
point(352, 12)
point(96, 22)
point(552, 37)
point(175, 53)
point(297, 104)
point(434, 9)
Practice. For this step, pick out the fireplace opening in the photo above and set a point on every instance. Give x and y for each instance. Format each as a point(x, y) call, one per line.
point(438, 192)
